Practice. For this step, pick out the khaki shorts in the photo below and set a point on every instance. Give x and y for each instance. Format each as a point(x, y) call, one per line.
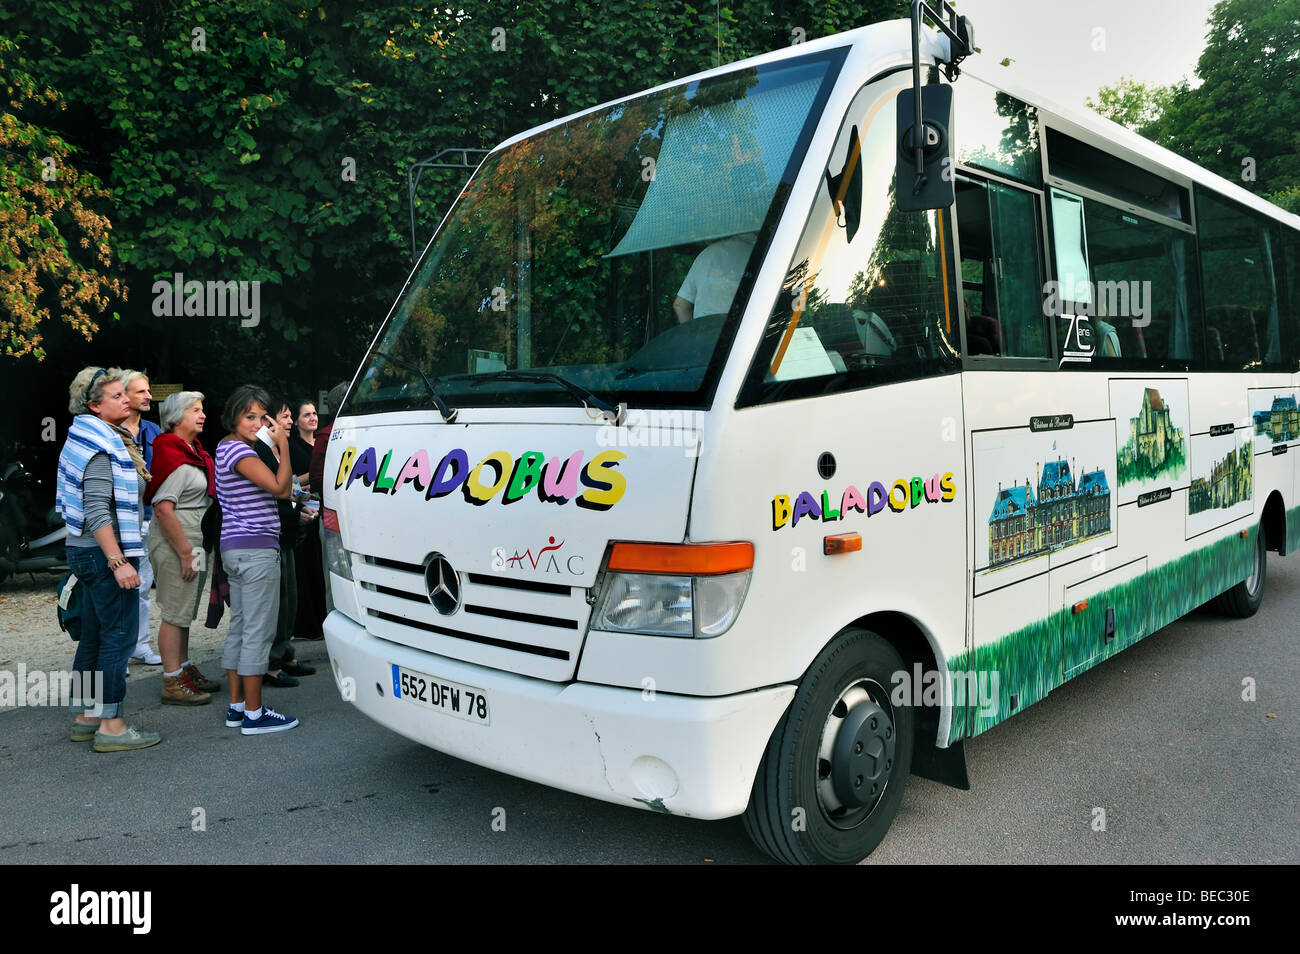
point(178, 601)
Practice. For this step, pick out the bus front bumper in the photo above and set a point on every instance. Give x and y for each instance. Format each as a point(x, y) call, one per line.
point(682, 755)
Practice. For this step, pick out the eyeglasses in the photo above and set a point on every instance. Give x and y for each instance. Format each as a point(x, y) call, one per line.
point(91, 386)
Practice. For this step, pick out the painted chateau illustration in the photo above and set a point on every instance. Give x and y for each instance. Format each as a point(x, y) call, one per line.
point(1281, 422)
point(1228, 484)
point(1060, 513)
point(1154, 445)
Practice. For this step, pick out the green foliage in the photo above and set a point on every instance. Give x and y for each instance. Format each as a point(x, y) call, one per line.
point(1134, 468)
point(1249, 96)
point(224, 151)
point(1244, 107)
point(1139, 106)
point(54, 251)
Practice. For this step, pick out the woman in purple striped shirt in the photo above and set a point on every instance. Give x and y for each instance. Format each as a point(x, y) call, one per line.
point(250, 553)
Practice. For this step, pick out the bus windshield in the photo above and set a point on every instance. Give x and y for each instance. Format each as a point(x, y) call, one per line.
point(604, 255)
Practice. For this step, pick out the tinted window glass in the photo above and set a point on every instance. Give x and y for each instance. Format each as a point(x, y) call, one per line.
point(1001, 270)
point(996, 132)
point(1291, 316)
point(613, 251)
point(1131, 283)
point(1103, 172)
point(864, 300)
point(1242, 309)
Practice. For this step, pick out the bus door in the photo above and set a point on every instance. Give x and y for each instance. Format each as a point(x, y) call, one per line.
point(1011, 407)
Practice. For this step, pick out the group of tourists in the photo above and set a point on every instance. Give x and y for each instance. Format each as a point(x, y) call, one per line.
point(146, 504)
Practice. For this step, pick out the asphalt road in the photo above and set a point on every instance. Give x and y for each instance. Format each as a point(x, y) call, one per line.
point(1158, 737)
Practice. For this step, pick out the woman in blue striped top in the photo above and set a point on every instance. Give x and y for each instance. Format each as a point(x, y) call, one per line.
point(101, 477)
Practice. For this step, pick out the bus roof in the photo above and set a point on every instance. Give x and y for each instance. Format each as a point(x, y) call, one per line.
point(888, 45)
point(1128, 140)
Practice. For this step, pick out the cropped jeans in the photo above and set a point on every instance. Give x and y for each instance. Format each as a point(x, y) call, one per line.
point(109, 627)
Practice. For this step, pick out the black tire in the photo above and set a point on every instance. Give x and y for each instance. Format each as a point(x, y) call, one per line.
point(845, 689)
point(1243, 599)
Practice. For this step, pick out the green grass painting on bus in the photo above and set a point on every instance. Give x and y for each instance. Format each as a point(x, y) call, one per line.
point(1029, 661)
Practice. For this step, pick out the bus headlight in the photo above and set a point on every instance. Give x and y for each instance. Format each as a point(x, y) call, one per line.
point(337, 559)
point(641, 594)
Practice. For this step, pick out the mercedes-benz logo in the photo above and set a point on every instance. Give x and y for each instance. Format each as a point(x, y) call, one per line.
point(443, 585)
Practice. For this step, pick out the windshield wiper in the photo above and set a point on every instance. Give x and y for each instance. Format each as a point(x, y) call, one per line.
point(617, 415)
point(448, 413)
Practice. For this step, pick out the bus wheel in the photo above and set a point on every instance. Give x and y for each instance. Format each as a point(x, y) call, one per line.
point(1244, 598)
point(833, 774)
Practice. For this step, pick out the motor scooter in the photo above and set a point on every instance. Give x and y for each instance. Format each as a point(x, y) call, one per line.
point(31, 537)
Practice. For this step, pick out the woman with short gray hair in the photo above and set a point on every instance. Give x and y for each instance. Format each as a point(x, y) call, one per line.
point(182, 488)
point(175, 406)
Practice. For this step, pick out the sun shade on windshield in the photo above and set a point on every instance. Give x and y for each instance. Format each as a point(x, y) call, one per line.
point(719, 166)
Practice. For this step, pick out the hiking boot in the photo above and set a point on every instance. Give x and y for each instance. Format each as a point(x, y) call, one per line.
point(179, 691)
point(132, 738)
point(199, 681)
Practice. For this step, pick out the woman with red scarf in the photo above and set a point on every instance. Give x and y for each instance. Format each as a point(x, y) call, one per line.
point(181, 488)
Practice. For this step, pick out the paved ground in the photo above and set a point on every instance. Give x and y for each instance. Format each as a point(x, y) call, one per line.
point(1158, 737)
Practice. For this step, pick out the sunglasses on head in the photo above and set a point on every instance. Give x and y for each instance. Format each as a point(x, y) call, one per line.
point(91, 386)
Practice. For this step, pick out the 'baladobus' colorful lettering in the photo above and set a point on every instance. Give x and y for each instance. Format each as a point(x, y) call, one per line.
point(554, 480)
point(902, 495)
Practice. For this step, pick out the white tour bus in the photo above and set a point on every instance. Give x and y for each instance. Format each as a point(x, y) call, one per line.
point(726, 454)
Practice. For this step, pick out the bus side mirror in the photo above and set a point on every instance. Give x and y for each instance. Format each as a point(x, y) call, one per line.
point(929, 186)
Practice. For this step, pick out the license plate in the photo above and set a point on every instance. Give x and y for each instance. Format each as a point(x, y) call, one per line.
point(453, 698)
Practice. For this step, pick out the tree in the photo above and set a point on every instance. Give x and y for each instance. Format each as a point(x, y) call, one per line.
point(1239, 122)
point(227, 132)
point(54, 249)
point(1245, 107)
point(1139, 106)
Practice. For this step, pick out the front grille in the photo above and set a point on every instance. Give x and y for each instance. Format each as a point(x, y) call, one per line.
point(520, 626)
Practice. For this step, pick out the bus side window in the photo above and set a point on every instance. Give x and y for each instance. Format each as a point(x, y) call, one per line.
point(1001, 270)
point(1134, 278)
point(868, 297)
point(1242, 304)
point(1290, 242)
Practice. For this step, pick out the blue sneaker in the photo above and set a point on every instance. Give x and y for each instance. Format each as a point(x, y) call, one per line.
point(234, 718)
point(271, 721)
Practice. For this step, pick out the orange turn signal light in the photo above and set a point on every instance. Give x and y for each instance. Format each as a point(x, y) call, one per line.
point(1245, 534)
point(1080, 606)
point(682, 559)
point(842, 543)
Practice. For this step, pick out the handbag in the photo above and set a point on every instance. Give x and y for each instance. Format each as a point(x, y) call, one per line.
point(211, 526)
point(72, 594)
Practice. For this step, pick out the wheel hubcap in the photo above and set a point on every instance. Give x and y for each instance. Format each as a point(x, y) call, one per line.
point(1252, 581)
point(856, 755)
